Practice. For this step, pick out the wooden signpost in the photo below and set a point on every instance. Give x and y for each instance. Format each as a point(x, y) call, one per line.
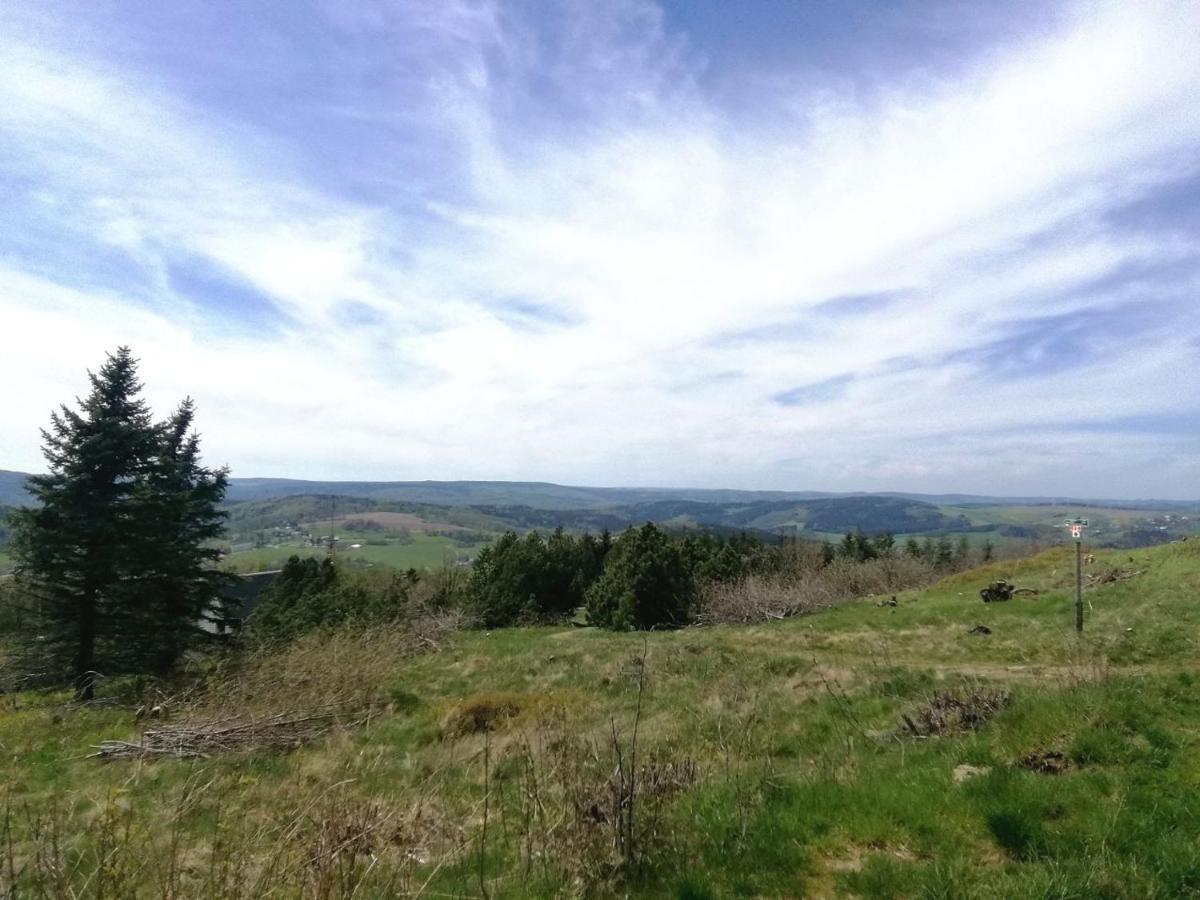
point(1077, 526)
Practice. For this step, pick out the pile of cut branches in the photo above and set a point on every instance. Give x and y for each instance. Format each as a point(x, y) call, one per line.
point(1110, 576)
point(280, 733)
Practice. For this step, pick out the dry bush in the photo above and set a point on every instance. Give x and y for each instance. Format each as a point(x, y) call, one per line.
point(807, 586)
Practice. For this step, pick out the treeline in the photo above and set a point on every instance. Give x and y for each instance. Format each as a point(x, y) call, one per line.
point(646, 577)
point(642, 578)
point(940, 552)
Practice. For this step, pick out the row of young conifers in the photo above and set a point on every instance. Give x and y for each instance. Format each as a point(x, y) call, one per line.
point(643, 578)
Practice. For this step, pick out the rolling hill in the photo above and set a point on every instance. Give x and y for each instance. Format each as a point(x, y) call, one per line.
point(279, 515)
point(545, 495)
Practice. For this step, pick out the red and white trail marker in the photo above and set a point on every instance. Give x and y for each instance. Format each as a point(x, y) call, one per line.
point(1077, 526)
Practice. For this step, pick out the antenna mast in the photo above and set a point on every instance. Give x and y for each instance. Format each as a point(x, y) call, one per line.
point(332, 519)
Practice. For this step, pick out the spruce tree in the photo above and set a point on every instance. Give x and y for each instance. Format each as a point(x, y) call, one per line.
point(115, 547)
point(647, 582)
point(174, 584)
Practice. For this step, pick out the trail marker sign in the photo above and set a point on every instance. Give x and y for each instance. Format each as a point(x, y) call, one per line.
point(1077, 525)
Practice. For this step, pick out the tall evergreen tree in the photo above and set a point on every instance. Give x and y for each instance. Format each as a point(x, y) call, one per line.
point(174, 584)
point(115, 547)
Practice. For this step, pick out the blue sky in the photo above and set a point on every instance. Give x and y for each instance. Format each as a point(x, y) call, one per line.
point(935, 246)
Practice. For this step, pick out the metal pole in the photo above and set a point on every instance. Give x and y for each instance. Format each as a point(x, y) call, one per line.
point(1079, 586)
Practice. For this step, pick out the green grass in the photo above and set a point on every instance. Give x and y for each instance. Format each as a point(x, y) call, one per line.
point(802, 786)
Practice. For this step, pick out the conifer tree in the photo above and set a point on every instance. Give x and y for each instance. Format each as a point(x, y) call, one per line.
point(115, 547)
point(962, 551)
point(174, 583)
point(647, 582)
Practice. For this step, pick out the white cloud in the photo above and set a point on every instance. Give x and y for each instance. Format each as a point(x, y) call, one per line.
point(632, 209)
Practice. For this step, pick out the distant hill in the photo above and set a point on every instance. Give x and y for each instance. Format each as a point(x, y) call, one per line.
point(869, 514)
point(548, 496)
point(468, 512)
point(12, 488)
point(534, 494)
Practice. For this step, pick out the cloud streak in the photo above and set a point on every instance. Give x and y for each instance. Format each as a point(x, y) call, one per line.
point(489, 243)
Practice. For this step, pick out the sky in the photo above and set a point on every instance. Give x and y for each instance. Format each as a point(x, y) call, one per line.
point(780, 244)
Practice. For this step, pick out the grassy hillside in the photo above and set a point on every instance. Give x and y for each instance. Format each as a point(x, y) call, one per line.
point(872, 751)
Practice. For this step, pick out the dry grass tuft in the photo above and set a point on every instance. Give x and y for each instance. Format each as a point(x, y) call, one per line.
point(346, 669)
point(483, 713)
point(493, 711)
point(955, 711)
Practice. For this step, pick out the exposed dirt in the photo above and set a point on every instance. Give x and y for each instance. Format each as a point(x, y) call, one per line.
point(1045, 762)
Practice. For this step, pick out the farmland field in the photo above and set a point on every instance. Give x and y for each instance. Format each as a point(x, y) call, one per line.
point(416, 550)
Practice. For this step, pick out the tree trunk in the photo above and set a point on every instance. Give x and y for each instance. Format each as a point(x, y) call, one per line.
point(85, 652)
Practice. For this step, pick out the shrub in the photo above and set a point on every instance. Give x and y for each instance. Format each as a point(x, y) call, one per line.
point(806, 585)
point(312, 593)
point(528, 579)
point(647, 582)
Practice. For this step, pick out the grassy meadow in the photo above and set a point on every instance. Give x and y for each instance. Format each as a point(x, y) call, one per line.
point(868, 750)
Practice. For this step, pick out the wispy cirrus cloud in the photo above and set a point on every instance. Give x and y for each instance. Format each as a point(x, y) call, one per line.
point(474, 239)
